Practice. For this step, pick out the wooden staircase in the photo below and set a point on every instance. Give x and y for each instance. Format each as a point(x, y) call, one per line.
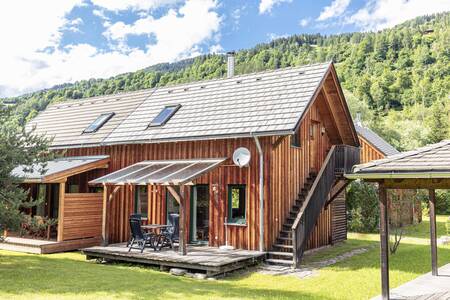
point(282, 251)
point(318, 191)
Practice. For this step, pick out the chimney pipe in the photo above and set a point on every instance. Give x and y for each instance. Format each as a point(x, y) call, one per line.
point(230, 64)
point(358, 119)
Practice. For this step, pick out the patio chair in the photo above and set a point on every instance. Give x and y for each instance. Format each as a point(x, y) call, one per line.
point(169, 235)
point(137, 217)
point(138, 237)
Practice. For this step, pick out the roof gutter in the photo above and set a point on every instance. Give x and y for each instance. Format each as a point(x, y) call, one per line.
point(261, 193)
point(398, 175)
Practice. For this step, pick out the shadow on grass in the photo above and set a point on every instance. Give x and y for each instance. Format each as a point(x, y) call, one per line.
point(62, 276)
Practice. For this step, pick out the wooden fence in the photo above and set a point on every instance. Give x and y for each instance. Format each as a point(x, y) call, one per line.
point(82, 216)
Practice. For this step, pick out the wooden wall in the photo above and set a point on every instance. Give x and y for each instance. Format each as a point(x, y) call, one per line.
point(339, 218)
point(122, 203)
point(368, 152)
point(290, 167)
point(82, 216)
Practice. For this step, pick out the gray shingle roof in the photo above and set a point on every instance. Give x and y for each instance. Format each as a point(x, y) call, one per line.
point(38, 172)
point(264, 103)
point(428, 160)
point(65, 122)
point(375, 140)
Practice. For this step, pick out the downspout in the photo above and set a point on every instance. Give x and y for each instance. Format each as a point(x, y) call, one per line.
point(261, 194)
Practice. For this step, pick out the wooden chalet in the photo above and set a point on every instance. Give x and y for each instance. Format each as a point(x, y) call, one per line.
point(170, 150)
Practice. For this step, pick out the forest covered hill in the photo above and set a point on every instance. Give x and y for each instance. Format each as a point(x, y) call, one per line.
point(398, 78)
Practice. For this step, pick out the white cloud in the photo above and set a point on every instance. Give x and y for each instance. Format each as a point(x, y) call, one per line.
point(176, 33)
point(265, 6)
point(379, 14)
point(335, 9)
point(120, 5)
point(73, 25)
point(304, 22)
point(273, 36)
point(32, 58)
point(217, 48)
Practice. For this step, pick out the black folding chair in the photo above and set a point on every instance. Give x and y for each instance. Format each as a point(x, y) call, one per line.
point(137, 217)
point(138, 237)
point(169, 235)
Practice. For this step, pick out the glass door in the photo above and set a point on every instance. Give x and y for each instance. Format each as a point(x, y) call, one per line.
point(199, 232)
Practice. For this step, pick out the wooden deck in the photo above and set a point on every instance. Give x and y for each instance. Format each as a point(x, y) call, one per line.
point(209, 260)
point(425, 287)
point(45, 247)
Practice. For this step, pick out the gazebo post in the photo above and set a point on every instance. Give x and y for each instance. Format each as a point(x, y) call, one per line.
point(434, 267)
point(384, 241)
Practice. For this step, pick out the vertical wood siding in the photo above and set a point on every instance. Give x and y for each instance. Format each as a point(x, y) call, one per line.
point(368, 152)
point(291, 167)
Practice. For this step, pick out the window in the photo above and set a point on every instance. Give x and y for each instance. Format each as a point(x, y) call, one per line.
point(98, 123)
point(141, 200)
point(42, 198)
point(172, 205)
point(164, 115)
point(74, 188)
point(295, 139)
point(236, 204)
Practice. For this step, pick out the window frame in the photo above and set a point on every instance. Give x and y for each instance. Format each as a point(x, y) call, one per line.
point(296, 140)
point(164, 122)
point(137, 202)
point(97, 128)
point(236, 221)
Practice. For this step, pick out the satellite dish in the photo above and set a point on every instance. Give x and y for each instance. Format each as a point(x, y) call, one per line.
point(241, 157)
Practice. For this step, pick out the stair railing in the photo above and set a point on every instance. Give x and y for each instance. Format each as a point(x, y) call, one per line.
point(339, 160)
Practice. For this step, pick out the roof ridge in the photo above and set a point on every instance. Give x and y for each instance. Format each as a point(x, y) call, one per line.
point(180, 84)
point(405, 154)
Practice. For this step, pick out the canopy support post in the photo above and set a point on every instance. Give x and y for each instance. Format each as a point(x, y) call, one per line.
point(104, 229)
point(434, 265)
point(182, 221)
point(384, 241)
point(62, 193)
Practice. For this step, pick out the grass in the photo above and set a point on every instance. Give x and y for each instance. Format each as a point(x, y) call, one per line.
point(70, 276)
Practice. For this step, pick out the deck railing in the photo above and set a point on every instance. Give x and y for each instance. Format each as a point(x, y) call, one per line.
point(339, 160)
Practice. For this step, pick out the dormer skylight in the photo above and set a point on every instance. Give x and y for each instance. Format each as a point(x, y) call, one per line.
point(99, 122)
point(164, 116)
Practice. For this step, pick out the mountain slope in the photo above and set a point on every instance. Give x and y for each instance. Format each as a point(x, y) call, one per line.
point(398, 78)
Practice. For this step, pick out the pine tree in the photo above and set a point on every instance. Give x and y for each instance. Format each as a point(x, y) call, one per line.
point(17, 147)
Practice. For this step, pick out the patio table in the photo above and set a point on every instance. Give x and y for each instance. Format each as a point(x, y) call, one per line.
point(154, 226)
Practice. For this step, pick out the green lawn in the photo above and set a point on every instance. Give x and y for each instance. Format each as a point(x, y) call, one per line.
point(70, 276)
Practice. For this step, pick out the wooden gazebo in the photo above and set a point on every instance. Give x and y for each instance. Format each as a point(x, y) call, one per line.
point(423, 168)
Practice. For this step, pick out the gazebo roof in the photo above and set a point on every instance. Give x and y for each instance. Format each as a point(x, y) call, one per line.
point(432, 161)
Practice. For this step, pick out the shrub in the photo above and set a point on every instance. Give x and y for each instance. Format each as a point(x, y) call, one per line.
point(362, 206)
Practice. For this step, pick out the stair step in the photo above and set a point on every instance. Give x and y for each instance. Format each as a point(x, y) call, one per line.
point(284, 233)
point(285, 247)
point(273, 254)
point(284, 240)
point(287, 226)
point(284, 262)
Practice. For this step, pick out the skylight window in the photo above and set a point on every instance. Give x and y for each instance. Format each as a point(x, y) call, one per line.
point(98, 123)
point(164, 116)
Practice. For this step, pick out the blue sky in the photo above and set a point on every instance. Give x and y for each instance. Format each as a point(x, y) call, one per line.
point(52, 41)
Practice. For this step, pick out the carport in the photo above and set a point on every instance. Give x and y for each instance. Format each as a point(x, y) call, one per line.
point(424, 168)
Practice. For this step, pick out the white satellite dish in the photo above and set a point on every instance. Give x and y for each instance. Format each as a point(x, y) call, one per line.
point(241, 157)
